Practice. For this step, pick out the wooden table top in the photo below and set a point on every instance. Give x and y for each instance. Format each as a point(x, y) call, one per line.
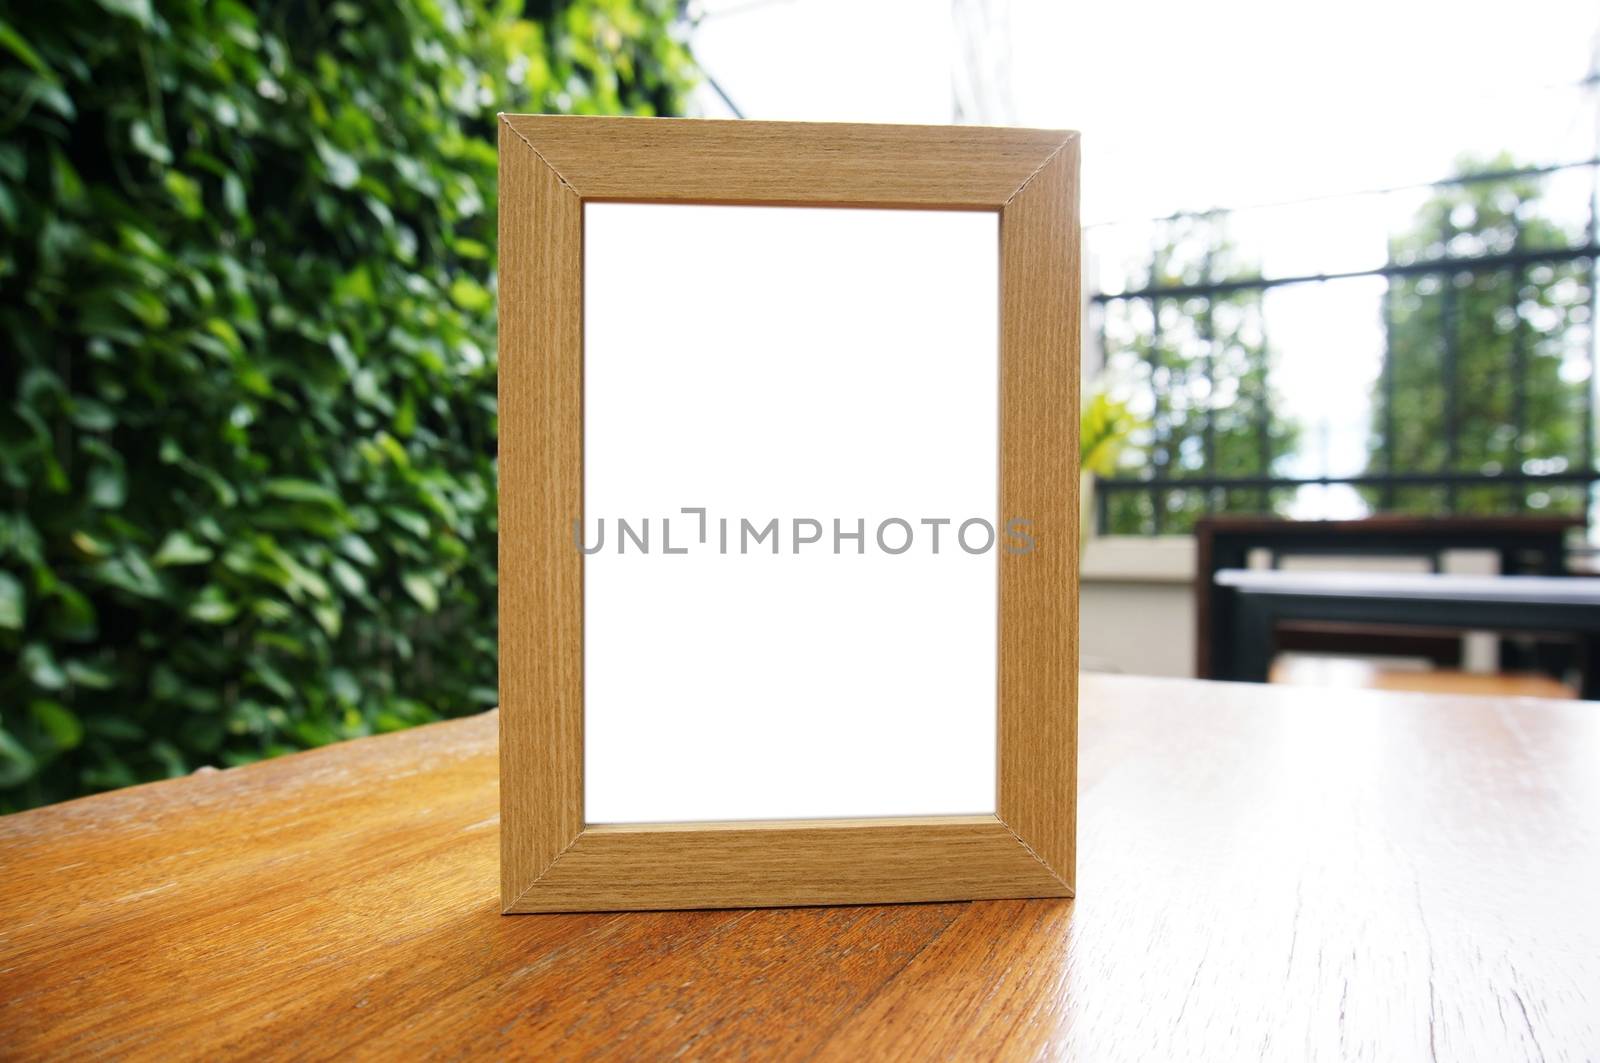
point(1264, 872)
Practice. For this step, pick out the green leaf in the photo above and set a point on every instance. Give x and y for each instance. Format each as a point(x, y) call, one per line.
point(13, 605)
point(138, 10)
point(329, 618)
point(357, 550)
point(108, 486)
point(171, 758)
point(303, 491)
point(185, 192)
point(84, 674)
point(92, 416)
point(144, 141)
point(73, 617)
point(115, 728)
point(356, 286)
point(17, 765)
point(68, 185)
point(40, 666)
point(212, 606)
point(144, 305)
point(411, 521)
point(12, 42)
point(13, 161)
point(130, 572)
point(57, 721)
point(227, 334)
point(108, 776)
point(180, 548)
point(263, 672)
point(469, 295)
point(88, 545)
point(1105, 429)
point(342, 169)
point(348, 577)
point(421, 588)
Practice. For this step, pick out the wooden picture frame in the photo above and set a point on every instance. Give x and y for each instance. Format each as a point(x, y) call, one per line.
point(551, 860)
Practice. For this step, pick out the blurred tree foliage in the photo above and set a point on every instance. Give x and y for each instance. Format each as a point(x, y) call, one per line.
point(246, 308)
point(1201, 368)
point(1514, 340)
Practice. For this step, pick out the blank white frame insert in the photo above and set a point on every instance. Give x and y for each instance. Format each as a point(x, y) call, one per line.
point(797, 365)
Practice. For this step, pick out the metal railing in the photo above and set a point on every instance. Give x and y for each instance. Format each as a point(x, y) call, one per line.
point(1435, 288)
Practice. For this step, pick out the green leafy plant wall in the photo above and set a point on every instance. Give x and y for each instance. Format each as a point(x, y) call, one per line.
point(247, 441)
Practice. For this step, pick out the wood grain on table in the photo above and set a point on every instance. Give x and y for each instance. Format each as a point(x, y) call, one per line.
point(1264, 872)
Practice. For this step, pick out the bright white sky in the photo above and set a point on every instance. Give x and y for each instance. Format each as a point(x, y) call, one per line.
point(1187, 105)
point(1228, 103)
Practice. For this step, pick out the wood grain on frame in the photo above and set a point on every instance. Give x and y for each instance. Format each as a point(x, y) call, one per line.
point(549, 860)
point(667, 160)
point(1039, 483)
point(541, 477)
point(800, 862)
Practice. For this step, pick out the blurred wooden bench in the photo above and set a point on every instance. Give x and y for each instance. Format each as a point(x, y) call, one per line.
point(1521, 545)
point(1551, 606)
